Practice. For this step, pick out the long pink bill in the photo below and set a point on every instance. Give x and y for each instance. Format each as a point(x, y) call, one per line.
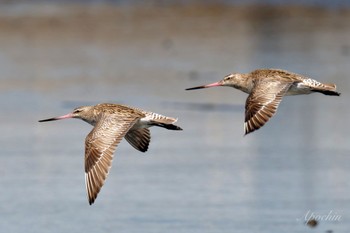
point(205, 86)
point(69, 115)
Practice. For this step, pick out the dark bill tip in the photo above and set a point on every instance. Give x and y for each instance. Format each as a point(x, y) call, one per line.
point(49, 119)
point(194, 88)
point(205, 86)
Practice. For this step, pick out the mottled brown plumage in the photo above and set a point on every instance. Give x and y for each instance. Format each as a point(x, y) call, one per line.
point(113, 122)
point(266, 88)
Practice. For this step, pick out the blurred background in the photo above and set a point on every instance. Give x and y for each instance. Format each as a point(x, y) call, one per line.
point(58, 55)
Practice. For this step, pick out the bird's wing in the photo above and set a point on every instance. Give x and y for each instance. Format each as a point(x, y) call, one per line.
point(139, 138)
point(100, 145)
point(262, 103)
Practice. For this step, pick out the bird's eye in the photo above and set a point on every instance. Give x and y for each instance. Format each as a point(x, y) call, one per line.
point(77, 110)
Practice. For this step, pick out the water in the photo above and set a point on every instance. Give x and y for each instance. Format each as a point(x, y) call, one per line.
point(207, 178)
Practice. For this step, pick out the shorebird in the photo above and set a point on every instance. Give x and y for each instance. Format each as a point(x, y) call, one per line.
point(266, 88)
point(111, 123)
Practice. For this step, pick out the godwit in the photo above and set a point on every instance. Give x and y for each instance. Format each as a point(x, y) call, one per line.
point(113, 122)
point(266, 87)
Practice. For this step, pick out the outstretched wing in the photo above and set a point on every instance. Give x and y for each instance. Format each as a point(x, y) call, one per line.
point(262, 103)
point(139, 138)
point(100, 145)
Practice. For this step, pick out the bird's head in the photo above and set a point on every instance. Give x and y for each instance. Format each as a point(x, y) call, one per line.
point(85, 113)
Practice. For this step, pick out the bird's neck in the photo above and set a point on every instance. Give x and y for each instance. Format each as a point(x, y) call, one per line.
point(91, 118)
point(90, 121)
point(245, 84)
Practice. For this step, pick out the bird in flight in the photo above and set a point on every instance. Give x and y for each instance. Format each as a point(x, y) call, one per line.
point(266, 88)
point(111, 123)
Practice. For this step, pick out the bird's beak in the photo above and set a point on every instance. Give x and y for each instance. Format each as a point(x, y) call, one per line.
point(217, 84)
point(69, 115)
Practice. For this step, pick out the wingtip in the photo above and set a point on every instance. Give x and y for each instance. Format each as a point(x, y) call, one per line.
point(245, 129)
point(90, 197)
point(248, 130)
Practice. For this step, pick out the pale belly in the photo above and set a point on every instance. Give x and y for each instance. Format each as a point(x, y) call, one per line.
point(142, 123)
point(299, 89)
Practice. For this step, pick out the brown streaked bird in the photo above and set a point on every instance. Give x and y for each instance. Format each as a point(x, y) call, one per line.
point(266, 88)
point(113, 122)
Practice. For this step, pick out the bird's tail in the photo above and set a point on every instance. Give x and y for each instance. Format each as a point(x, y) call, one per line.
point(167, 126)
point(327, 89)
point(156, 119)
